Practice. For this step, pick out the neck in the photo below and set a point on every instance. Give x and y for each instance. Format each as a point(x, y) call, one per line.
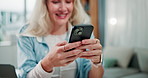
point(59, 29)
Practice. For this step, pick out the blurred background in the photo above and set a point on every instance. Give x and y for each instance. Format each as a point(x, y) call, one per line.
point(13, 15)
point(121, 26)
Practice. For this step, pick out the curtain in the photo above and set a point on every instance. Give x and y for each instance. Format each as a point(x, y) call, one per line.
point(126, 23)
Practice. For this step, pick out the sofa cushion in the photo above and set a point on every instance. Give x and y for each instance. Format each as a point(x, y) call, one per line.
point(137, 75)
point(118, 72)
point(109, 62)
point(142, 54)
point(122, 54)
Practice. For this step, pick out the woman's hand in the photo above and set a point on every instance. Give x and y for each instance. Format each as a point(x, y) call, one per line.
point(94, 50)
point(61, 55)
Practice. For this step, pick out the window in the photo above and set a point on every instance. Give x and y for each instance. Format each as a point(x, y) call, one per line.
point(13, 15)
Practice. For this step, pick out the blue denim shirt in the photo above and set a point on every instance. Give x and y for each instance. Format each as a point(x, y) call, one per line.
point(33, 49)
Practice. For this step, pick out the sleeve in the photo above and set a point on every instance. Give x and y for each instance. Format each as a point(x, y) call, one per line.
point(38, 72)
point(27, 63)
point(26, 56)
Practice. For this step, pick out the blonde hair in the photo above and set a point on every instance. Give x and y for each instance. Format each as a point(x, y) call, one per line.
point(40, 24)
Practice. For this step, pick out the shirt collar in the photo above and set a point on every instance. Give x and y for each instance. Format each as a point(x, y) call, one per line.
point(41, 39)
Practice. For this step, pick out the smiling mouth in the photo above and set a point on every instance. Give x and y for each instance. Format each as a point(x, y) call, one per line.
point(61, 16)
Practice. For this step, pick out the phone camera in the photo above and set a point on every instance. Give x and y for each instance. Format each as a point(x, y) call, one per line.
point(78, 31)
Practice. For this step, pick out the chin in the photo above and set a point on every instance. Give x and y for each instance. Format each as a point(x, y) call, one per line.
point(62, 22)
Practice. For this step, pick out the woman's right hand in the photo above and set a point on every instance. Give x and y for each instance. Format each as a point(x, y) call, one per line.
point(61, 55)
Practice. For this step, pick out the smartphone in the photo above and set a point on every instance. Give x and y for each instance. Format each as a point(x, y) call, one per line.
point(80, 32)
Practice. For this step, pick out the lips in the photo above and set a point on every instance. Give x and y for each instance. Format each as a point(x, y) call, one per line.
point(61, 16)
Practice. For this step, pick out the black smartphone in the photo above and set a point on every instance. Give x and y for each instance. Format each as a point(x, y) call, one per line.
point(80, 32)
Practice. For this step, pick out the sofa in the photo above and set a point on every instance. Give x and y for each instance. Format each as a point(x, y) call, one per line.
point(124, 62)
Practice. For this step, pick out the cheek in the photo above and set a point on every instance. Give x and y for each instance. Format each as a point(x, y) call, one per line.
point(71, 7)
point(51, 8)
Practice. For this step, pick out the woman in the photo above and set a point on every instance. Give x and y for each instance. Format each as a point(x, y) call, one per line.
point(43, 43)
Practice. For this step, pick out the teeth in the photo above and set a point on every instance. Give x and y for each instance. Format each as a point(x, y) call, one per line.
point(61, 15)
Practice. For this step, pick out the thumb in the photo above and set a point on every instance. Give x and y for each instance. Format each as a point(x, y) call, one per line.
point(61, 43)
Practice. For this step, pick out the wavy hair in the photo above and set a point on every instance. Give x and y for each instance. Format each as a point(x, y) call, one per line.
point(40, 24)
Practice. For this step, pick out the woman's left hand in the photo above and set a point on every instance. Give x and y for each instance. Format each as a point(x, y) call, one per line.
point(94, 50)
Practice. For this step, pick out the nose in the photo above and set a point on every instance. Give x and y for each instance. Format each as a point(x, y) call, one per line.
point(63, 7)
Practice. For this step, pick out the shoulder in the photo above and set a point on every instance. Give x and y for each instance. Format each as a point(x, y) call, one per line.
point(22, 35)
point(23, 28)
point(23, 31)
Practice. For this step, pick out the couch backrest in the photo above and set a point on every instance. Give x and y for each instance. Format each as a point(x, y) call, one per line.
point(134, 62)
point(142, 55)
point(121, 54)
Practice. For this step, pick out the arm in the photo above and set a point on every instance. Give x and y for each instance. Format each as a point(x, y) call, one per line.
point(96, 71)
point(27, 62)
point(38, 72)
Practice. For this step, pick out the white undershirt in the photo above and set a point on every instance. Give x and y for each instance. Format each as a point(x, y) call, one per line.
point(68, 71)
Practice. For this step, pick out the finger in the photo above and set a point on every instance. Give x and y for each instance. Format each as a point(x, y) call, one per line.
point(72, 53)
point(64, 46)
point(91, 46)
point(90, 57)
point(68, 63)
point(96, 59)
point(91, 53)
point(70, 59)
point(61, 49)
point(72, 45)
point(90, 41)
point(61, 43)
